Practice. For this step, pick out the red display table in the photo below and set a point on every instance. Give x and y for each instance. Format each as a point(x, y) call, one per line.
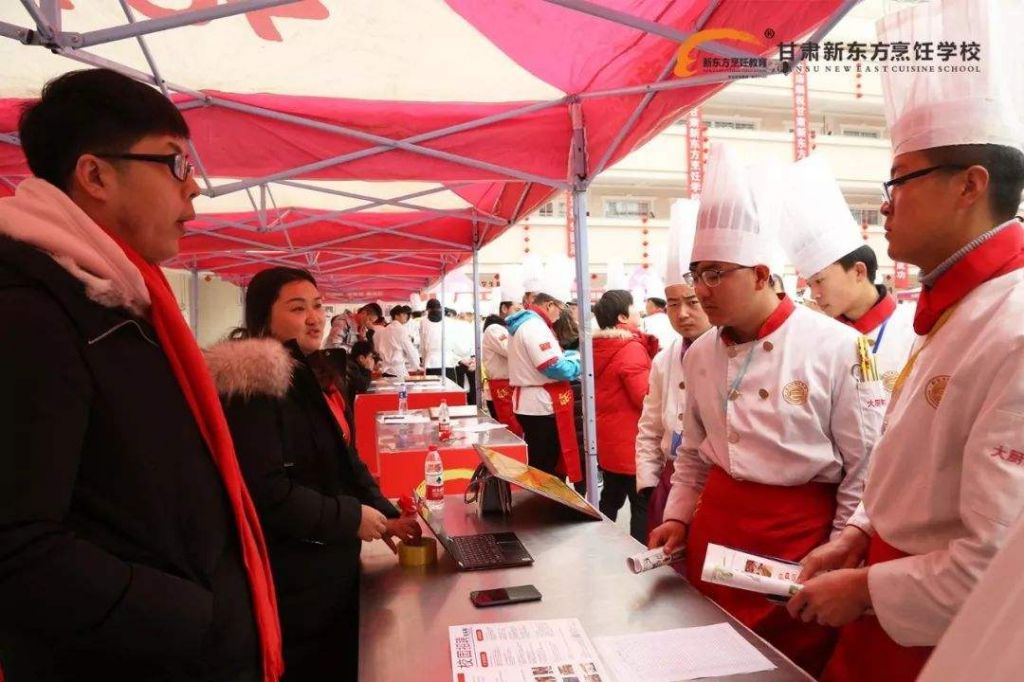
point(383, 396)
point(402, 449)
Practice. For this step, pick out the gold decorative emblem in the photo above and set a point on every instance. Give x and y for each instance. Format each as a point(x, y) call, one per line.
point(795, 393)
point(935, 389)
point(889, 380)
point(504, 393)
point(565, 397)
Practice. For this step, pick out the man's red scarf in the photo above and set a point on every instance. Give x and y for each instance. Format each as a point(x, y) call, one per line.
point(197, 385)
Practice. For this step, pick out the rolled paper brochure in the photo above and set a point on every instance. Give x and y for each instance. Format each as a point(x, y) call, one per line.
point(651, 559)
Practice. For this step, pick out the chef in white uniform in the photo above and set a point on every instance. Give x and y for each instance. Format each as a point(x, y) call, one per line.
point(777, 430)
point(823, 242)
point(540, 372)
point(494, 349)
point(661, 423)
point(947, 479)
point(398, 356)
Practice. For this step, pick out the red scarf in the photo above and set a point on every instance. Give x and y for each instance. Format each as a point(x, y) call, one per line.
point(197, 385)
point(999, 255)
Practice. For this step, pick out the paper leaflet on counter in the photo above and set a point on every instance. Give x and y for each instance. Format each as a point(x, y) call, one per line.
point(651, 559)
point(745, 571)
point(524, 651)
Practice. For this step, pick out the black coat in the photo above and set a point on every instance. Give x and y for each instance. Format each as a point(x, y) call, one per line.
point(308, 486)
point(119, 556)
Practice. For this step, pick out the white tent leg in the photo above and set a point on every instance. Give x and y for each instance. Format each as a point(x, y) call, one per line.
point(193, 303)
point(476, 320)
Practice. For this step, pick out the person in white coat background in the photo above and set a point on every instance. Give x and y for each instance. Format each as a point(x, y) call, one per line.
point(823, 241)
point(947, 478)
point(661, 422)
point(776, 431)
point(656, 323)
point(398, 355)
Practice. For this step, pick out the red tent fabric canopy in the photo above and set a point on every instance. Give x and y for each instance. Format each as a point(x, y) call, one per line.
point(259, 136)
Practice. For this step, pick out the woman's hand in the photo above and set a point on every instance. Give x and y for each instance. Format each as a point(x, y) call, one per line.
point(407, 529)
point(372, 524)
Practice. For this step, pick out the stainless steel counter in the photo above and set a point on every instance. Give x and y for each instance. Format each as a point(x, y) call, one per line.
point(580, 569)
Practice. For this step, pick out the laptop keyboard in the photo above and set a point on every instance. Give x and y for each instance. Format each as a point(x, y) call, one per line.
point(486, 550)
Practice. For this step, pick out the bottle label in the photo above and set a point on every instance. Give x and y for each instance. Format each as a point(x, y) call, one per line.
point(435, 489)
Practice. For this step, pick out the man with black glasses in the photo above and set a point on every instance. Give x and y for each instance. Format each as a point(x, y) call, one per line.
point(947, 480)
point(776, 434)
point(129, 547)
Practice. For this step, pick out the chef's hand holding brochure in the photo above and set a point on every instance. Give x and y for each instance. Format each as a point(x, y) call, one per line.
point(745, 571)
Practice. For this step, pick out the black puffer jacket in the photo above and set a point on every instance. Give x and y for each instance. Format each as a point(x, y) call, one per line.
point(308, 486)
point(119, 556)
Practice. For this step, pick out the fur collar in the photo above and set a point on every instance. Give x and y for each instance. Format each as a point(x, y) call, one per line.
point(614, 333)
point(249, 367)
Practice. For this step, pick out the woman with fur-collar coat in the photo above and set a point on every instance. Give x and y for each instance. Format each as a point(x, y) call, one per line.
point(622, 369)
point(315, 497)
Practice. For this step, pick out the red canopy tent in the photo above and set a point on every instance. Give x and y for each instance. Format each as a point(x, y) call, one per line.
point(380, 143)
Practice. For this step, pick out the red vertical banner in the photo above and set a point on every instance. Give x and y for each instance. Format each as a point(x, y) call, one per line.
point(901, 275)
point(801, 127)
point(695, 151)
point(570, 233)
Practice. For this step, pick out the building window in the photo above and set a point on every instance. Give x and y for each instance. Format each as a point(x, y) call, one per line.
point(627, 208)
point(871, 216)
point(732, 123)
point(552, 209)
point(855, 131)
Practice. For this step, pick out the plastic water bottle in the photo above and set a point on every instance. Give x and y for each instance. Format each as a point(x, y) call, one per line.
point(444, 422)
point(433, 474)
point(403, 397)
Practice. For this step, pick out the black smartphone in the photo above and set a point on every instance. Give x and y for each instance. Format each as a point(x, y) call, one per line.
point(504, 595)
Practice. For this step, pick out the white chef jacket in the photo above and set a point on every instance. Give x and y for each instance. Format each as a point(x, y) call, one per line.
point(661, 415)
point(413, 328)
point(463, 339)
point(797, 415)
point(946, 484)
point(532, 347)
point(397, 353)
point(430, 344)
point(986, 641)
point(659, 326)
point(494, 348)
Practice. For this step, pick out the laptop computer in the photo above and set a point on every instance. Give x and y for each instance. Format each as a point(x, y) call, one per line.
point(479, 552)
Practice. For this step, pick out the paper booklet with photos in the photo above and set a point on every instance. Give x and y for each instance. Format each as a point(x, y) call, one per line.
point(746, 571)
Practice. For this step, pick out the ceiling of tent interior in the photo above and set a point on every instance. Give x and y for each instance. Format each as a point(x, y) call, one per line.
point(376, 142)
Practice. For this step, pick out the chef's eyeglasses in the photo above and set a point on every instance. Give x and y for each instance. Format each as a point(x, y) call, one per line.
point(896, 182)
point(180, 165)
point(710, 277)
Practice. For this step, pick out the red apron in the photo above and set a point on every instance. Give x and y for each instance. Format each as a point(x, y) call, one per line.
point(865, 651)
point(501, 396)
point(785, 522)
point(565, 422)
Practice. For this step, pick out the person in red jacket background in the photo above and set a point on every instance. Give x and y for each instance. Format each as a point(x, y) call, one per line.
point(622, 366)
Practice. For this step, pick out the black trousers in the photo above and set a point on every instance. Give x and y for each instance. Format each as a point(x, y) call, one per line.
point(469, 379)
point(617, 487)
point(541, 436)
point(491, 411)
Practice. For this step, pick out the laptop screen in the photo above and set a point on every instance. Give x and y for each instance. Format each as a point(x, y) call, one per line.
point(436, 526)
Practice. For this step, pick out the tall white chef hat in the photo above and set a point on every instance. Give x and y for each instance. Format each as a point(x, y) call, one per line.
point(817, 227)
point(533, 273)
point(681, 230)
point(739, 211)
point(946, 104)
point(512, 288)
point(559, 272)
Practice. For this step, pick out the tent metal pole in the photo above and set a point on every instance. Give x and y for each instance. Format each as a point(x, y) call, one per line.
point(51, 14)
point(42, 25)
point(444, 324)
point(107, 35)
point(476, 318)
point(367, 137)
point(579, 178)
point(374, 202)
point(130, 15)
point(646, 26)
point(193, 301)
point(697, 81)
point(14, 32)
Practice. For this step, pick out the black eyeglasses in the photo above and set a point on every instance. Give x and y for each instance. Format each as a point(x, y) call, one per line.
point(896, 182)
point(180, 165)
point(710, 277)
